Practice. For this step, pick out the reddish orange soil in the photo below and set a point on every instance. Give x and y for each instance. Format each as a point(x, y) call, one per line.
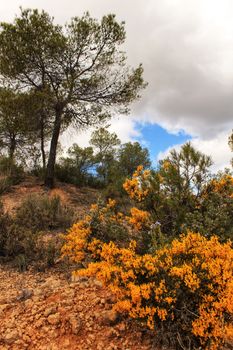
point(47, 311)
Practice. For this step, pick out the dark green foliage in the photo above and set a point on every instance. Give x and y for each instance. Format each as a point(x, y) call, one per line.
point(5, 185)
point(107, 230)
point(17, 127)
point(182, 196)
point(20, 240)
point(80, 69)
point(16, 242)
point(176, 187)
point(130, 156)
point(214, 216)
point(187, 172)
point(114, 188)
point(76, 168)
point(105, 165)
point(9, 168)
point(47, 253)
point(105, 145)
point(51, 253)
point(104, 141)
point(5, 222)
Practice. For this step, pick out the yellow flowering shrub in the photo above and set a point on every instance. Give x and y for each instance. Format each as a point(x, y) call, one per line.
point(182, 290)
point(76, 240)
point(139, 219)
point(224, 186)
point(105, 223)
point(137, 187)
point(185, 290)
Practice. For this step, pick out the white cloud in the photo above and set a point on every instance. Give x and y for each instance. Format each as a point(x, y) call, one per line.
point(186, 48)
point(125, 128)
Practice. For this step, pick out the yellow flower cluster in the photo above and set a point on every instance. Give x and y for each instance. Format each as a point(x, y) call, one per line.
point(223, 186)
point(76, 240)
point(80, 240)
point(119, 269)
point(108, 212)
point(166, 165)
point(206, 269)
point(139, 219)
point(185, 273)
point(193, 276)
point(137, 186)
point(111, 204)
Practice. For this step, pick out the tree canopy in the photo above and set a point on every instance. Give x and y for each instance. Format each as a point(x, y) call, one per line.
point(17, 128)
point(131, 155)
point(79, 67)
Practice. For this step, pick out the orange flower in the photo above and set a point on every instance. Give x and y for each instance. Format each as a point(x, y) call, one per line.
point(189, 282)
point(139, 219)
point(137, 186)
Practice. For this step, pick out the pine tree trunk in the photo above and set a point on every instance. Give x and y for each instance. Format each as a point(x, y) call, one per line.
point(42, 142)
point(12, 147)
point(49, 177)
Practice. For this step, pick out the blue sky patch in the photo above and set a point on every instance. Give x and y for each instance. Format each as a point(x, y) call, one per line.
point(157, 139)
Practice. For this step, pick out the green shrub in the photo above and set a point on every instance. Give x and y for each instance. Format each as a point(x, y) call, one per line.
point(214, 213)
point(20, 241)
point(214, 217)
point(39, 213)
point(16, 242)
point(47, 251)
point(21, 238)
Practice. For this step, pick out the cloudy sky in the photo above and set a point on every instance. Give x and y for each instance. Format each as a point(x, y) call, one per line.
point(186, 47)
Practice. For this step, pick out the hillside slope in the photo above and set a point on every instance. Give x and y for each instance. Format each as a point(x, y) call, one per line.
point(47, 311)
point(78, 198)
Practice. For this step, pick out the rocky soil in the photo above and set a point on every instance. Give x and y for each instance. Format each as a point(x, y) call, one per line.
point(49, 311)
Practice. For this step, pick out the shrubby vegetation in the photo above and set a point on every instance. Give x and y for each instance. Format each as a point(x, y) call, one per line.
point(183, 291)
point(105, 164)
point(182, 194)
point(22, 234)
point(214, 212)
point(165, 250)
point(168, 257)
point(76, 168)
point(41, 213)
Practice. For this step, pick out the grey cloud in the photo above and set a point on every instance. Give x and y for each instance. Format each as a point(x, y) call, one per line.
point(186, 48)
